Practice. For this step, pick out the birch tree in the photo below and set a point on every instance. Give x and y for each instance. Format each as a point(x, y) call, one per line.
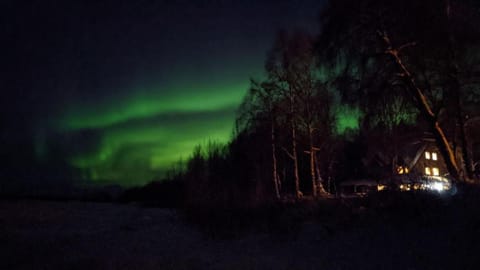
point(260, 107)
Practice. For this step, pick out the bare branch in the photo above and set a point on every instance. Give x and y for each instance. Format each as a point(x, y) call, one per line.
point(410, 44)
point(315, 149)
point(288, 153)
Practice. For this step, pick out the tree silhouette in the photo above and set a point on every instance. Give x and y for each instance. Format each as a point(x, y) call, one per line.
point(261, 106)
point(291, 98)
point(384, 46)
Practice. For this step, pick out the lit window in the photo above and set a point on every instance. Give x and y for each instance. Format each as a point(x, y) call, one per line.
point(434, 156)
point(435, 171)
point(427, 155)
point(402, 170)
point(427, 171)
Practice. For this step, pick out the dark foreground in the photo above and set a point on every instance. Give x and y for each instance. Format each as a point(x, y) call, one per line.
point(81, 235)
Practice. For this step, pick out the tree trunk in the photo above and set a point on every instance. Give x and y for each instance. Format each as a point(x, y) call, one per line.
point(274, 162)
point(320, 188)
point(425, 109)
point(467, 161)
point(445, 149)
point(455, 89)
point(312, 161)
point(298, 193)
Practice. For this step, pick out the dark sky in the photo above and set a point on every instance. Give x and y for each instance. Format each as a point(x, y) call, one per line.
point(118, 90)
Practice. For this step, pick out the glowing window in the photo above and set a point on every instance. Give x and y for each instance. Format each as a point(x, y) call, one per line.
point(434, 156)
point(402, 170)
point(435, 171)
point(428, 171)
point(427, 155)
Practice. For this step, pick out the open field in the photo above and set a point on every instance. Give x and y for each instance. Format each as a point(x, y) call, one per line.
point(82, 235)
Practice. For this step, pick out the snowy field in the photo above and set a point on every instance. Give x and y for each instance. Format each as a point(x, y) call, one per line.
point(80, 235)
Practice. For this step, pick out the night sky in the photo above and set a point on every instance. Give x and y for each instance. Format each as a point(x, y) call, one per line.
point(119, 90)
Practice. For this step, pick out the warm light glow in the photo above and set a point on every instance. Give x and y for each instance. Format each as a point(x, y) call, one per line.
point(434, 156)
point(418, 186)
point(435, 171)
point(428, 171)
point(437, 186)
point(430, 183)
point(381, 187)
point(427, 155)
point(402, 170)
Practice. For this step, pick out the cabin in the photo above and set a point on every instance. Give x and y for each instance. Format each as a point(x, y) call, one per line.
point(421, 158)
point(413, 158)
point(420, 166)
point(417, 165)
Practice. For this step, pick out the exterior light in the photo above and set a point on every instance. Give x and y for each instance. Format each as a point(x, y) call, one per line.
point(437, 186)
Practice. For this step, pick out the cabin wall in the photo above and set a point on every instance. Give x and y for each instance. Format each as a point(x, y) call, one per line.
point(430, 162)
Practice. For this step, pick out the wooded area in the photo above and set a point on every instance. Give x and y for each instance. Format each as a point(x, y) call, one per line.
point(411, 68)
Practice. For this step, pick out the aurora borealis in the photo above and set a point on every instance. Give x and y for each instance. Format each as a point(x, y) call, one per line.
point(120, 90)
point(146, 135)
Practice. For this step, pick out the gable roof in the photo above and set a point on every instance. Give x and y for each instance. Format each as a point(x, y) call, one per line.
point(417, 156)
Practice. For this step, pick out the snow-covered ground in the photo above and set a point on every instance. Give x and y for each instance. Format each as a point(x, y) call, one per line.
point(80, 235)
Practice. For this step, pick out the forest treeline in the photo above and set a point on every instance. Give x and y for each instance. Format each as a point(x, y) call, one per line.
point(409, 67)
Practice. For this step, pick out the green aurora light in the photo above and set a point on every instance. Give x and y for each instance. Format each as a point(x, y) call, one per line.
point(123, 91)
point(347, 118)
point(143, 135)
point(140, 132)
